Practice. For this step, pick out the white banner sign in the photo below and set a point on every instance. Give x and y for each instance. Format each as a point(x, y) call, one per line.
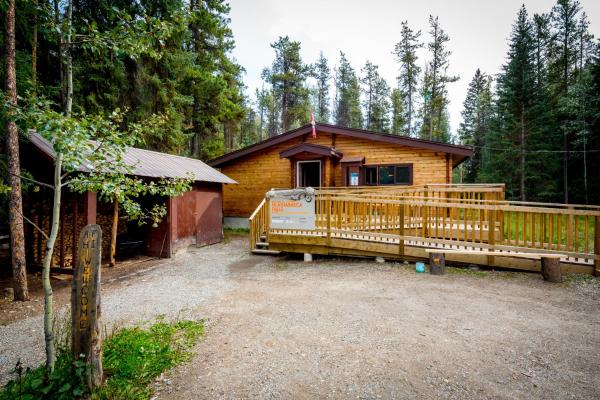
point(292, 214)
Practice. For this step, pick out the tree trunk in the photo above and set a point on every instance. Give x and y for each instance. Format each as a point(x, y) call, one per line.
point(34, 46)
point(48, 297)
point(522, 155)
point(59, 44)
point(15, 200)
point(113, 234)
point(69, 83)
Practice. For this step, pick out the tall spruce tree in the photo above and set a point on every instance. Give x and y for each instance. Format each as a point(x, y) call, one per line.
point(476, 115)
point(508, 139)
point(564, 20)
point(369, 81)
point(380, 120)
point(542, 38)
point(287, 77)
point(376, 101)
point(435, 84)
point(347, 91)
point(397, 113)
point(406, 55)
point(322, 74)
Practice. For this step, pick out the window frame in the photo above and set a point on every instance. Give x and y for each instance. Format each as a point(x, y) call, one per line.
point(395, 165)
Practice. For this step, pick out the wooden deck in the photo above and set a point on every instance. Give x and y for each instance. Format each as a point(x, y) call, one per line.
point(401, 223)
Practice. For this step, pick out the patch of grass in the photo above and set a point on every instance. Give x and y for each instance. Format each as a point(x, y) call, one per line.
point(228, 233)
point(132, 358)
point(466, 271)
point(236, 231)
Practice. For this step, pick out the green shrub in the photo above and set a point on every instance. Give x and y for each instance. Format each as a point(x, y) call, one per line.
point(132, 358)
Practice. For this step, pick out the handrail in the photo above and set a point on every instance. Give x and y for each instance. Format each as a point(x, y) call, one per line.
point(420, 217)
point(257, 224)
point(262, 203)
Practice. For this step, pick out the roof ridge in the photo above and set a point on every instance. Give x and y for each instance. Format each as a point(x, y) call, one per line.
point(449, 148)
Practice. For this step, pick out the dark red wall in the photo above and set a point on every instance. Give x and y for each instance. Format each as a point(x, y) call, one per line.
point(196, 217)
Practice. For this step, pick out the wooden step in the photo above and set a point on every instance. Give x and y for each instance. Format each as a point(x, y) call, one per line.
point(266, 252)
point(263, 237)
point(262, 244)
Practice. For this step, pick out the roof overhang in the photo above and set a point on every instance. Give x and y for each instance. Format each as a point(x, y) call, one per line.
point(353, 160)
point(458, 153)
point(313, 149)
point(147, 163)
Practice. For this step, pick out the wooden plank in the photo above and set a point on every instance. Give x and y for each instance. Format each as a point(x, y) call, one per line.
point(86, 338)
point(498, 253)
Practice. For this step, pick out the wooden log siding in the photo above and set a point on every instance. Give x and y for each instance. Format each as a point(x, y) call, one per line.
point(380, 224)
point(259, 172)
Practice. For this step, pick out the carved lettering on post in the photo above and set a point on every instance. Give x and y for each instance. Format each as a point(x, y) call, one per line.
point(85, 303)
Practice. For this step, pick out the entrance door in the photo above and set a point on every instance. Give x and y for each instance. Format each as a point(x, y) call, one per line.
point(209, 225)
point(309, 174)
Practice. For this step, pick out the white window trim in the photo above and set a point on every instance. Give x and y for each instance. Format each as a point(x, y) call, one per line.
point(298, 171)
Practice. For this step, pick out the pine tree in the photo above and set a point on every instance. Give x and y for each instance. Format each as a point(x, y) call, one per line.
point(406, 55)
point(287, 77)
point(564, 61)
point(542, 37)
point(322, 74)
point(368, 81)
point(474, 127)
point(347, 104)
point(380, 121)
point(397, 117)
point(508, 139)
point(435, 84)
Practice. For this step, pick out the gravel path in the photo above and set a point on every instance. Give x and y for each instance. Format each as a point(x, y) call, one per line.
point(175, 288)
point(340, 328)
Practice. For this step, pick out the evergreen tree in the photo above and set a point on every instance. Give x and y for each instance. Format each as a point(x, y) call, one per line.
point(435, 84)
point(347, 103)
point(515, 123)
point(368, 81)
point(397, 117)
point(287, 77)
point(564, 61)
point(542, 37)
point(476, 117)
point(406, 55)
point(322, 74)
point(380, 121)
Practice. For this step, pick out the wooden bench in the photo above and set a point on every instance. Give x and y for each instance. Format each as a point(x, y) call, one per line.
point(550, 261)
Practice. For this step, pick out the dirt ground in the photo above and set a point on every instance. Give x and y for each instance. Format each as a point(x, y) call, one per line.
point(338, 328)
point(11, 311)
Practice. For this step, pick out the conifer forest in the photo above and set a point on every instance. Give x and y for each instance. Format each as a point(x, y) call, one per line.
point(534, 126)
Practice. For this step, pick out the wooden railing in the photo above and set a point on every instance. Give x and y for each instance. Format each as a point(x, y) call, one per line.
point(258, 223)
point(404, 223)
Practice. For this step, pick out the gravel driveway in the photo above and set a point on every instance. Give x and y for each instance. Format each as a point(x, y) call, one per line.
point(340, 328)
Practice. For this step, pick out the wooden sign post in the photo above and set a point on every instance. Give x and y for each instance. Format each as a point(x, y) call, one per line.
point(85, 303)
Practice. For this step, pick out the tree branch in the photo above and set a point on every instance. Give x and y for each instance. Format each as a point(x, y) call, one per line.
point(32, 180)
point(34, 225)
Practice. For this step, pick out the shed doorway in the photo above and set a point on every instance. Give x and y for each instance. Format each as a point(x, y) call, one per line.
point(309, 174)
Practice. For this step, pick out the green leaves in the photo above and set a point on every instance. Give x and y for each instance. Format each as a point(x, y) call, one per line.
point(93, 149)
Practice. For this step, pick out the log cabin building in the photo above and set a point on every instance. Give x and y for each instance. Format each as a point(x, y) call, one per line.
point(193, 218)
point(334, 157)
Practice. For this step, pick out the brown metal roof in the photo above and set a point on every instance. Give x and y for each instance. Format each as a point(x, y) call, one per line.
point(459, 153)
point(312, 149)
point(152, 164)
point(353, 159)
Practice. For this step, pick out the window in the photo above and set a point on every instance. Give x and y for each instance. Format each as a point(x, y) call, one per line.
point(370, 175)
point(388, 174)
point(402, 176)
